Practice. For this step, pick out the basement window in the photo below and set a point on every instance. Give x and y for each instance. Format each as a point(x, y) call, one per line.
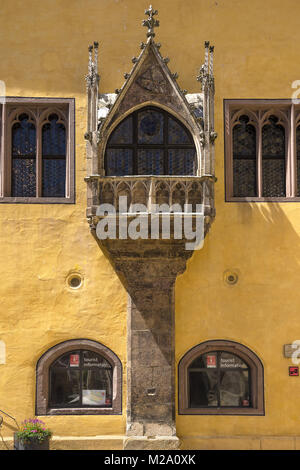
point(220, 377)
point(79, 377)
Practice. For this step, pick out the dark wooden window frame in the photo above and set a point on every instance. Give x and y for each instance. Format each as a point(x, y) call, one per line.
point(19, 103)
point(256, 383)
point(135, 146)
point(292, 112)
point(43, 384)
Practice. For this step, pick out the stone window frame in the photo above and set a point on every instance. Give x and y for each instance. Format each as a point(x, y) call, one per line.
point(256, 380)
point(259, 111)
point(13, 106)
point(43, 374)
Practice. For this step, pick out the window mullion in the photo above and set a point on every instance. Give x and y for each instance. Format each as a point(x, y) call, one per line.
point(39, 163)
point(259, 160)
point(2, 154)
point(292, 156)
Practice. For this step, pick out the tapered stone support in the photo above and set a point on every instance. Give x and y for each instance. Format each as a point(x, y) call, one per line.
point(148, 269)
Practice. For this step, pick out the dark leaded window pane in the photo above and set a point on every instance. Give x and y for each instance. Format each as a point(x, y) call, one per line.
point(177, 134)
point(118, 162)
point(182, 161)
point(150, 142)
point(23, 138)
point(273, 159)
point(150, 127)
point(150, 162)
point(298, 159)
point(53, 158)
point(244, 159)
point(218, 379)
point(123, 133)
point(23, 158)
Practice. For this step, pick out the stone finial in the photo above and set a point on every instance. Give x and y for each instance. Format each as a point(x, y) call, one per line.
point(211, 58)
point(92, 77)
point(206, 71)
point(150, 23)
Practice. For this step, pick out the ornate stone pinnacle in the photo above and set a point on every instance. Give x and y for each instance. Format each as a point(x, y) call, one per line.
point(126, 75)
point(92, 78)
point(151, 23)
point(175, 75)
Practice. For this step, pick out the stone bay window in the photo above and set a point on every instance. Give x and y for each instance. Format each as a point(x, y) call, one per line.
point(152, 142)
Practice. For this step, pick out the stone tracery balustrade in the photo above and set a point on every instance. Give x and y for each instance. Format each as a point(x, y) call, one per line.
point(150, 190)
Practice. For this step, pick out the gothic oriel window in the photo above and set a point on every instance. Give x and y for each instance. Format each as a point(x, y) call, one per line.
point(150, 142)
point(262, 150)
point(37, 150)
point(220, 377)
point(79, 377)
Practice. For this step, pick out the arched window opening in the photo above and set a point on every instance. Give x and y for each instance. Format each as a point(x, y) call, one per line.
point(23, 174)
point(221, 377)
point(53, 158)
point(273, 158)
point(150, 142)
point(79, 377)
point(244, 158)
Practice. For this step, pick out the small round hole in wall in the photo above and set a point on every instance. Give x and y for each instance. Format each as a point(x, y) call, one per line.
point(74, 281)
point(231, 277)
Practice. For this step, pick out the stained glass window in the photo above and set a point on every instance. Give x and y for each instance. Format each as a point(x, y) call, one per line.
point(219, 379)
point(23, 175)
point(54, 158)
point(150, 142)
point(244, 158)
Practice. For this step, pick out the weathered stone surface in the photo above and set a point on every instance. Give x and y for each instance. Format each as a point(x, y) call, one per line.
point(149, 281)
point(152, 443)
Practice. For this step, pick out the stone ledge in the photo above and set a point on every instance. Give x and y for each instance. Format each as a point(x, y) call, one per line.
point(152, 443)
point(240, 443)
point(120, 442)
point(87, 443)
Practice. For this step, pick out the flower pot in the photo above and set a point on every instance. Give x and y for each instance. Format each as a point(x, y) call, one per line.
point(30, 445)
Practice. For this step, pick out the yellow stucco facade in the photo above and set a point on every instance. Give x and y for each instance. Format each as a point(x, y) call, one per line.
point(44, 54)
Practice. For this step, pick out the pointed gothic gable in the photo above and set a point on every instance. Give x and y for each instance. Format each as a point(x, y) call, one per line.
point(150, 82)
